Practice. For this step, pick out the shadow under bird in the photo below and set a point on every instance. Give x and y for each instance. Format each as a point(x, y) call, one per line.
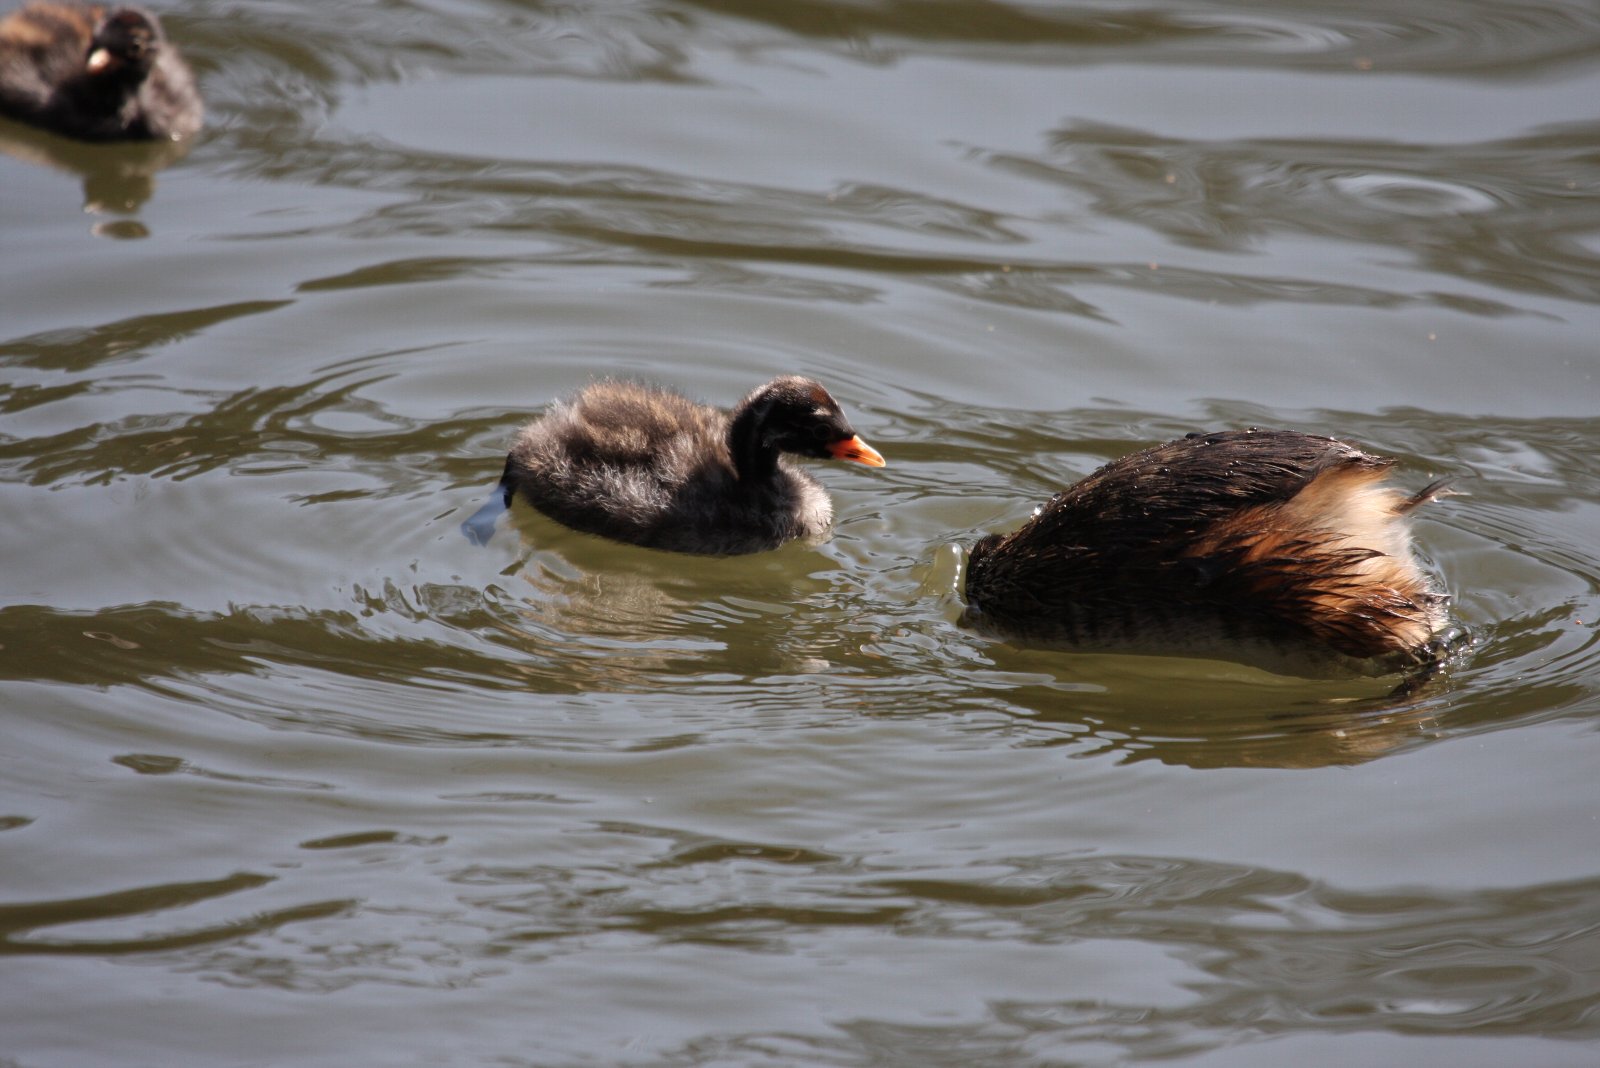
point(1269, 546)
point(96, 74)
point(645, 465)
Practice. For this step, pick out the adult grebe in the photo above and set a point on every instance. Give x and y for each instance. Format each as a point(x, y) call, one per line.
point(1266, 541)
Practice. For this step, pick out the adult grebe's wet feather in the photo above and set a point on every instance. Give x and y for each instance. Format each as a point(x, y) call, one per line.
point(1235, 543)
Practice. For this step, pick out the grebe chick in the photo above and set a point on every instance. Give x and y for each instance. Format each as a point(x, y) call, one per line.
point(1263, 545)
point(95, 73)
point(645, 465)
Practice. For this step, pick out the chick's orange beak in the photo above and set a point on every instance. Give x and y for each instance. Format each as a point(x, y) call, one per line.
point(100, 60)
point(856, 450)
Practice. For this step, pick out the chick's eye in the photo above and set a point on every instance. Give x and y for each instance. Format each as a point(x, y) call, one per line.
point(821, 433)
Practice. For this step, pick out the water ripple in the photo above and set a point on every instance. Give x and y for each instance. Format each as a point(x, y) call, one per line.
point(1502, 212)
point(1480, 36)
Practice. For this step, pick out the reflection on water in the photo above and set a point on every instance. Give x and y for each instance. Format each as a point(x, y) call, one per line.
point(1275, 954)
point(1262, 952)
point(117, 179)
point(274, 726)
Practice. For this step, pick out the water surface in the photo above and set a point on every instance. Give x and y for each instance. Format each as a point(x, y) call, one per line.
point(297, 775)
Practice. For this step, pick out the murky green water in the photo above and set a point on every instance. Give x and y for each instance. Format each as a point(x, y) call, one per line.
point(295, 775)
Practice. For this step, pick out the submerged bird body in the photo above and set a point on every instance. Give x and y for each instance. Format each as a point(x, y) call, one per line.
point(1271, 546)
point(647, 466)
point(95, 73)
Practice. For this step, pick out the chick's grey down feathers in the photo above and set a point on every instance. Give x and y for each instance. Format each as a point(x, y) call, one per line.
point(95, 73)
point(645, 465)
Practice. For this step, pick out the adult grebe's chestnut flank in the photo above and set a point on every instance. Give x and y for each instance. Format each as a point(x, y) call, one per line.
point(95, 73)
point(645, 465)
point(1216, 544)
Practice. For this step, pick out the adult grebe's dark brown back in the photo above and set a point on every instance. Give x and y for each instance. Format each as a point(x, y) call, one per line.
point(644, 465)
point(95, 73)
point(1262, 545)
